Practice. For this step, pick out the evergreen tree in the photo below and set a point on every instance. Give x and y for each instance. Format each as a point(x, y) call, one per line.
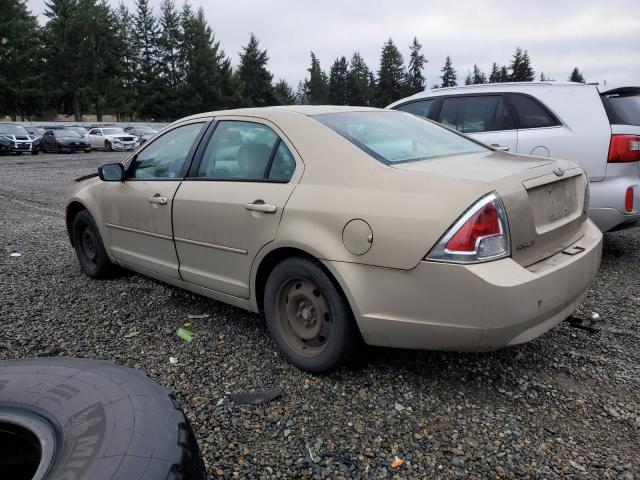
point(301, 94)
point(415, 79)
point(543, 77)
point(317, 87)
point(145, 41)
point(339, 82)
point(468, 79)
point(359, 89)
point(521, 70)
point(576, 76)
point(124, 104)
point(209, 82)
point(170, 72)
point(478, 76)
point(63, 51)
point(494, 76)
point(257, 90)
point(391, 76)
point(21, 60)
point(504, 74)
point(448, 77)
point(283, 93)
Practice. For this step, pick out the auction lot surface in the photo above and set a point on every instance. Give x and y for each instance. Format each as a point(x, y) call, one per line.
point(567, 404)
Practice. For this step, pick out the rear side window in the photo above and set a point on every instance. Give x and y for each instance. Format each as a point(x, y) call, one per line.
point(530, 113)
point(421, 108)
point(623, 109)
point(484, 113)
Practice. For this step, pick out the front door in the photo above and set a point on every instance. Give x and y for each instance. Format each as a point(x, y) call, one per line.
point(137, 211)
point(230, 205)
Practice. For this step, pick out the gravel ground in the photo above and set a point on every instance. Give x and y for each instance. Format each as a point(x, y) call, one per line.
point(564, 405)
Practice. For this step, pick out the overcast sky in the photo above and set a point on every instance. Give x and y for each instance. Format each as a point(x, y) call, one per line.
point(601, 38)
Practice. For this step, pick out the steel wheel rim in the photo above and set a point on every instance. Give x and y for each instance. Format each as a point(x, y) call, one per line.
point(88, 245)
point(304, 316)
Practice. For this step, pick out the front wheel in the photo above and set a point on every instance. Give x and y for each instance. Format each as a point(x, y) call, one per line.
point(309, 318)
point(90, 250)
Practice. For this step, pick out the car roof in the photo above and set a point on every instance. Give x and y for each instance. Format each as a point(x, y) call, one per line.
point(506, 86)
point(271, 113)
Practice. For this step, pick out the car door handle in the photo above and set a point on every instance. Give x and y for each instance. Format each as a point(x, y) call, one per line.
point(158, 200)
point(502, 148)
point(260, 206)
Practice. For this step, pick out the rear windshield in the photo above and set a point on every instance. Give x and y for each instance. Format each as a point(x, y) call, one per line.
point(397, 137)
point(66, 134)
point(623, 109)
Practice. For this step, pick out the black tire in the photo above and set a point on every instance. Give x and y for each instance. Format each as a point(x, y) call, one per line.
point(92, 420)
point(87, 151)
point(35, 152)
point(107, 146)
point(57, 148)
point(324, 352)
point(90, 250)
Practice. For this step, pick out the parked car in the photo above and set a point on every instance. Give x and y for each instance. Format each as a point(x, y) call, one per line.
point(143, 133)
point(63, 140)
point(111, 138)
point(81, 130)
point(345, 225)
point(598, 127)
point(35, 132)
point(15, 139)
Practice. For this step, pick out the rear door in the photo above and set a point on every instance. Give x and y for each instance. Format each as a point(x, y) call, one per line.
point(137, 211)
point(231, 203)
point(486, 118)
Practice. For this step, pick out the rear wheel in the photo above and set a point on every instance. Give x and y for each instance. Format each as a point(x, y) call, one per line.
point(107, 146)
point(90, 250)
point(309, 318)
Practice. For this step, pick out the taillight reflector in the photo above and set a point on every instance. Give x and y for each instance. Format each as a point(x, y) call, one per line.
point(628, 200)
point(624, 148)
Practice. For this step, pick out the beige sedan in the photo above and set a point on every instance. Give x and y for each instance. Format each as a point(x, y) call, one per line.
point(346, 226)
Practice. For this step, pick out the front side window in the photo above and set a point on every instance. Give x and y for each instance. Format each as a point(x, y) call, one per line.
point(166, 156)
point(396, 137)
point(421, 107)
point(244, 151)
point(485, 113)
point(530, 113)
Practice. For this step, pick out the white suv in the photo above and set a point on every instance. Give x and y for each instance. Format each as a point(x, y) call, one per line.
point(597, 127)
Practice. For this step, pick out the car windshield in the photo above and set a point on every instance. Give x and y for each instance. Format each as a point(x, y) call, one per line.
point(9, 129)
point(66, 134)
point(80, 130)
point(397, 137)
point(113, 131)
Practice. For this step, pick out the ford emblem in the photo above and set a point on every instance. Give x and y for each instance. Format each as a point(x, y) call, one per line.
point(559, 171)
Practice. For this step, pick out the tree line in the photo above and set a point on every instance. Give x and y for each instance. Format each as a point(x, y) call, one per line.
point(90, 57)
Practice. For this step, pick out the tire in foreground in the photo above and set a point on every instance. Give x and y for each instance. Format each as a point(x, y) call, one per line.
point(67, 418)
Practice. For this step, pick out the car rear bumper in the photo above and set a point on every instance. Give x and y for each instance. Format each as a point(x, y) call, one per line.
point(607, 208)
point(480, 307)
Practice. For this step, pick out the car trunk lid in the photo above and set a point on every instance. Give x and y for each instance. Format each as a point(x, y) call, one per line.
point(544, 199)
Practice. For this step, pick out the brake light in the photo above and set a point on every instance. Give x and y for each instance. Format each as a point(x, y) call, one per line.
point(481, 234)
point(628, 200)
point(624, 148)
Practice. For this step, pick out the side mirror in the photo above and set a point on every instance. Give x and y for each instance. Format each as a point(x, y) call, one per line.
point(111, 172)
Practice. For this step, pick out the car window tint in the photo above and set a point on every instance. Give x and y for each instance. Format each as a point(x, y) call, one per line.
point(238, 151)
point(623, 108)
point(395, 137)
point(421, 108)
point(283, 164)
point(530, 113)
point(475, 114)
point(165, 157)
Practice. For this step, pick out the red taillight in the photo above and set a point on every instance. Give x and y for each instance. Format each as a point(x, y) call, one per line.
point(624, 148)
point(628, 200)
point(483, 223)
